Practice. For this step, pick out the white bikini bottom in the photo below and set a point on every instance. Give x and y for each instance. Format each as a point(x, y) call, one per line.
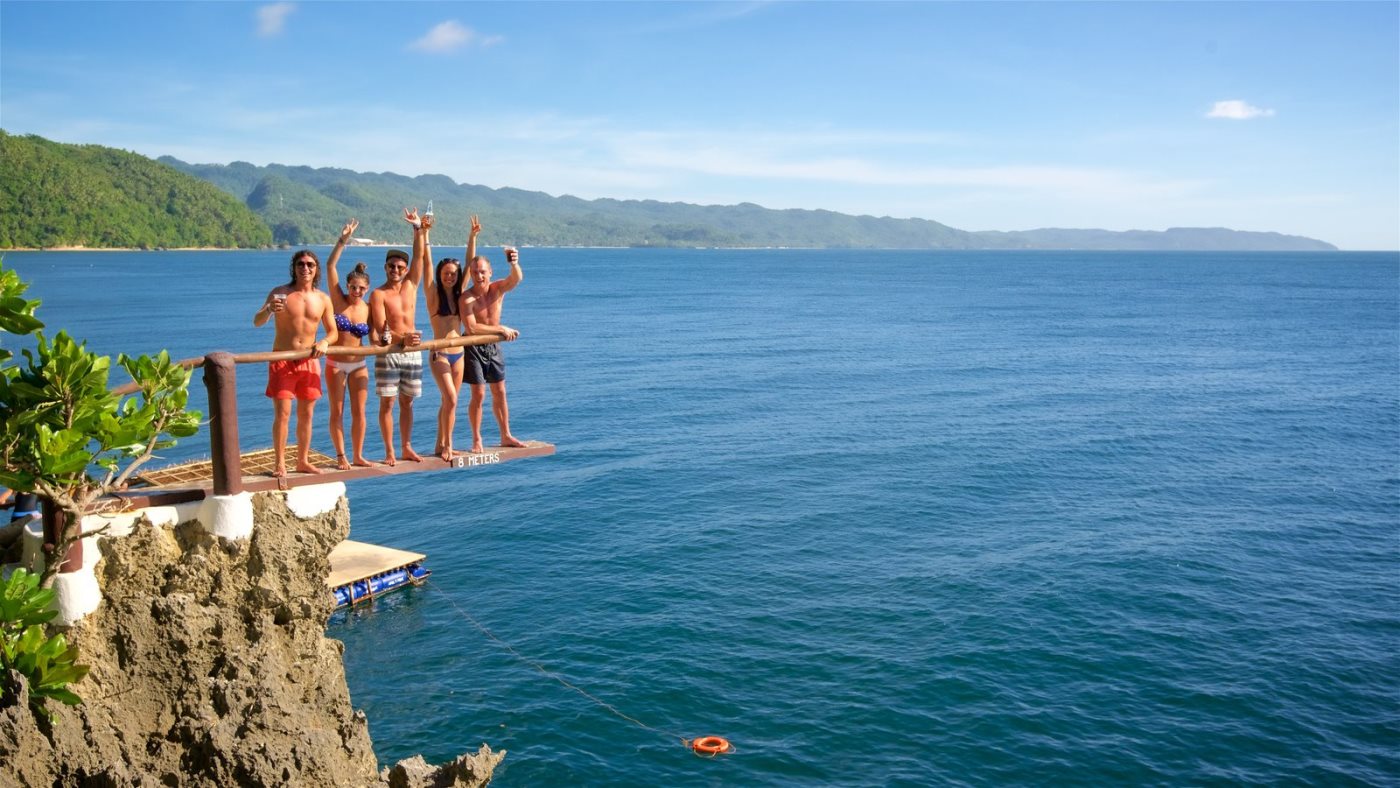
point(344, 367)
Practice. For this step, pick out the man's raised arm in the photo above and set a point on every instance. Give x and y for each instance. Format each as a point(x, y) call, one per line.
point(516, 274)
point(415, 267)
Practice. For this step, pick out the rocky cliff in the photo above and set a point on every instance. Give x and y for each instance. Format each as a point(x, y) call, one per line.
point(210, 666)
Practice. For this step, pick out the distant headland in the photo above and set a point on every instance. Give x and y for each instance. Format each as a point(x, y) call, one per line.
point(56, 195)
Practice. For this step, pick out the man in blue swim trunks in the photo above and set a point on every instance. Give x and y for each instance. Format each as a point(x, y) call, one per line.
point(485, 365)
point(398, 376)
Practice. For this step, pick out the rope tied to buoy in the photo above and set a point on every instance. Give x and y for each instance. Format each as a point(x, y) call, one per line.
point(706, 746)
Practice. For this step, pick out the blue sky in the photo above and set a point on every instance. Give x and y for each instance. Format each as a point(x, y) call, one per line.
point(984, 116)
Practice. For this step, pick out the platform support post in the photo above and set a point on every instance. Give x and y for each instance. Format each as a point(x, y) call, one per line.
point(220, 378)
point(54, 521)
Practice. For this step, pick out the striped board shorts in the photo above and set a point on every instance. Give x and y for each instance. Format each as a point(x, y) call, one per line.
point(399, 374)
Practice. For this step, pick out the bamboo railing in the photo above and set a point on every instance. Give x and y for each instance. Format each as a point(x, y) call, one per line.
point(220, 378)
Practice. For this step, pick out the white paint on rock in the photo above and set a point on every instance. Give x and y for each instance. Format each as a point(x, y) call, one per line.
point(315, 499)
point(228, 516)
point(77, 593)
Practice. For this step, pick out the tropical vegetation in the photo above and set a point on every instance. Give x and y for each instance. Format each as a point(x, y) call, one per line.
point(47, 663)
point(64, 434)
point(52, 194)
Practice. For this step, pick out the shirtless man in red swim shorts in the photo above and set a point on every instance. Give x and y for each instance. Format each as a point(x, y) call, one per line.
point(297, 308)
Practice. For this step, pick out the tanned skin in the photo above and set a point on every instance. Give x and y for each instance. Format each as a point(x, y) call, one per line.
point(348, 301)
point(392, 306)
point(296, 310)
point(448, 374)
point(481, 314)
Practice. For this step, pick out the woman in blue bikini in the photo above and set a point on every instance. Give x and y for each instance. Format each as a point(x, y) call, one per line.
point(442, 313)
point(352, 321)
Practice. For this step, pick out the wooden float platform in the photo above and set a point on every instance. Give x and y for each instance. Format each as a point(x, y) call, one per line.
point(194, 481)
point(351, 561)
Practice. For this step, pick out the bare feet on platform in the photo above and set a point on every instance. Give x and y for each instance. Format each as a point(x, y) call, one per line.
point(477, 448)
point(363, 463)
point(306, 467)
point(510, 441)
point(342, 462)
point(389, 460)
point(446, 454)
point(280, 472)
point(411, 455)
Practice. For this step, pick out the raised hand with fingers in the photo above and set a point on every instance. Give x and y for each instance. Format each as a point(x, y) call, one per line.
point(410, 215)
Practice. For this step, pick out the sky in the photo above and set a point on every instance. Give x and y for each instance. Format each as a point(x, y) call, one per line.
point(1270, 116)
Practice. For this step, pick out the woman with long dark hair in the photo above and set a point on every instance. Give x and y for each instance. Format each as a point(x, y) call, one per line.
point(446, 365)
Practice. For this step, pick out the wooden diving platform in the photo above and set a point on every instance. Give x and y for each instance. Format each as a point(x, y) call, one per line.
point(195, 480)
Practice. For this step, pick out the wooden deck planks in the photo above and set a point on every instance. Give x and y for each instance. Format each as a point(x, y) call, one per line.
point(194, 490)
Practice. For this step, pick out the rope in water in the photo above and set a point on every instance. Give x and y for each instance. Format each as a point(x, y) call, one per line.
point(704, 745)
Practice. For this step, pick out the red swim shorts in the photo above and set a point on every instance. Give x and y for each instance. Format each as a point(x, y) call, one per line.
point(294, 379)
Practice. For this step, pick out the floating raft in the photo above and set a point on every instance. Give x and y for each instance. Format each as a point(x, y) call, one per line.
point(361, 571)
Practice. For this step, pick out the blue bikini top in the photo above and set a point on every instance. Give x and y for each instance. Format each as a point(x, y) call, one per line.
point(342, 323)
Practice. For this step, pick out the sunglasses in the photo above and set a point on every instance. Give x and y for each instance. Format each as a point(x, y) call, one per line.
point(304, 264)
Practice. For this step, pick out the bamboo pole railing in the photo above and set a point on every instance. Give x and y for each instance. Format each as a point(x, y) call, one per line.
point(220, 378)
point(264, 356)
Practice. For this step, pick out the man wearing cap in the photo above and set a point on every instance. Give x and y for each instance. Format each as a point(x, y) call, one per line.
point(391, 319)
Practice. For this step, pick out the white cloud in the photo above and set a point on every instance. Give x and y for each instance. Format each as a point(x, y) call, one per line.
point(1234, 109)
point(450, 35)
point(273, 18)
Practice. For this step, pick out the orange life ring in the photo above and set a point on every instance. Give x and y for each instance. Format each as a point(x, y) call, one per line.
point(710, 745)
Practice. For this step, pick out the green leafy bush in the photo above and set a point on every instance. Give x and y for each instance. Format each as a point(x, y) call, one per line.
point(59, 422)
point(48, 664)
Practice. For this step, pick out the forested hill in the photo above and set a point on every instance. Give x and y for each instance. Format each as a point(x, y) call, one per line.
point(303, 205)
point(306, 205)
point(52, 194)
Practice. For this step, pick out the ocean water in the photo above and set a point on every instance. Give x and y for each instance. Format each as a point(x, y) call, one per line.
point(879, 518)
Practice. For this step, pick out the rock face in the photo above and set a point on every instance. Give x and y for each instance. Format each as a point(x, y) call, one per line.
point(210, 666)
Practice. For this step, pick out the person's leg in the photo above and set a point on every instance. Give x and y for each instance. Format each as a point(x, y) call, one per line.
point(456, 398)
point(386, 427)
point(502, 412)
point(410, 388)
point(474, 414)
point(358, 381)
point(281, 414)
point(442, 373)
point(335, 385)
point(305, 408)
point(406, 428)
point(386, 385)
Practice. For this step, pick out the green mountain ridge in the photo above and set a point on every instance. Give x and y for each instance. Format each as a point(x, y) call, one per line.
point(56, 194)
point(53, 194)
point(303, 213)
